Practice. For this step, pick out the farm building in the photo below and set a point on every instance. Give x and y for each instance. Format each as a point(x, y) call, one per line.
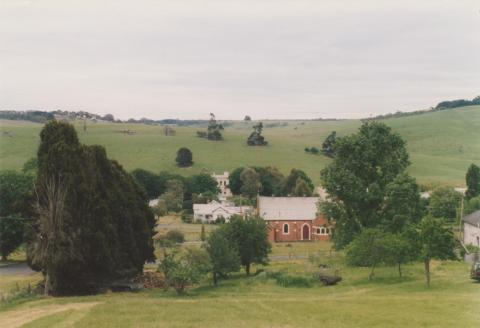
point(209, 213)
point(471, 229)
point(223, 181)
point(293, 219)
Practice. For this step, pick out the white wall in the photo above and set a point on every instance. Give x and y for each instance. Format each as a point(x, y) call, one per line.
point(470, 234)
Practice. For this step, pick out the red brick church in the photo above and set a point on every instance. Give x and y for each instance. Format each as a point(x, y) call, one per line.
point(293, 219)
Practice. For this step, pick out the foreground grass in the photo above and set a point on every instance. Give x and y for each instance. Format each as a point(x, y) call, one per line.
point(388, 301)
point(442, 145)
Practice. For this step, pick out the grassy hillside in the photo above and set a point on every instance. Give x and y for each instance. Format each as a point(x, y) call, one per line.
point(441, 144)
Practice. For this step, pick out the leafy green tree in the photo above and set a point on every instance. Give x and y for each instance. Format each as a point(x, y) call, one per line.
point(250, 182)
point(184, 157)
point(302, 189)
point(223, 253)
point(472, 205)
point(367, 249)
point(271, 179)
point(402, 204)
point(291, 182)
point(444, 203)
point(200, 184)
point(93, 223)
point(435, 242)
point(235, 182)
point(173, 197)
point(328, 146)
point(473, 181)
point(356, 180)
point(251, 239)
point(160, 209)
point(399, 249)
point(149, 181)
point(15, 191)
point(181, 271)
point(256, 138)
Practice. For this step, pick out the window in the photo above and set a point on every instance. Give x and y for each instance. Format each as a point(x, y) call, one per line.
point(318, 231)
point(327, 231)
point(322, 231)
point(285, 229)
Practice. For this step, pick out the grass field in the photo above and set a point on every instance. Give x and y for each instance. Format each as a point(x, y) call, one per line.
point(388, 301)
point(441, 145)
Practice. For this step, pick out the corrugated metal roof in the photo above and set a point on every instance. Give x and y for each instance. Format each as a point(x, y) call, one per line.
point(287, 208)
point(473, 218)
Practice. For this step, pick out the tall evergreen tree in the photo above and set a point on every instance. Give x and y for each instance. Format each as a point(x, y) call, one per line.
point(473, 181)
point(93, 222)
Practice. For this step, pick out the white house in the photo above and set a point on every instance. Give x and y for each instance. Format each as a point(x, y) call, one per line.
point(209, 213)
point(223, 182)
point(471, 229)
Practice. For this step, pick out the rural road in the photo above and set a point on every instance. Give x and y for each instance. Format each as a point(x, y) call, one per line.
point(15, 269)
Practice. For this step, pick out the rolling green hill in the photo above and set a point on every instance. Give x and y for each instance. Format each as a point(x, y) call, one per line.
point(441, 144)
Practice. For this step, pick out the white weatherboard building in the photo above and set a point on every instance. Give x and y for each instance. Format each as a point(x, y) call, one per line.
point(223, 182)
point(209, 213)
point(471, 229)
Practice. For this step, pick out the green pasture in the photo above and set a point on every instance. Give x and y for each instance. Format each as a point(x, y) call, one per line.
point(441, 145)
point(452, 300)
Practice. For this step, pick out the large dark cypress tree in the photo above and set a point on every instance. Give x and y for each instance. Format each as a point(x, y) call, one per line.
point(473, 181)
point(93, 224)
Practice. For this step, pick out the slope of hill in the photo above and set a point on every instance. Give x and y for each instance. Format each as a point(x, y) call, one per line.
point(441, 144)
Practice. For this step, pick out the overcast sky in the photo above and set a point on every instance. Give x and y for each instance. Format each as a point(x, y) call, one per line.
point(269, 59)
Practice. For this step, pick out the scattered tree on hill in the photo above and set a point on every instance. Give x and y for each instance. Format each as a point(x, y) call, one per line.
point(251, 239)
point(15, 191)
point(250, 182)
point(108, 117)
point(168, 131)
point(473, 181)
point(213, 130)
point(184, 157)
point(444, 203)
point(329, 144)
point(291, 182)
point(435, 242)
point(256, 138)
point(247, 118)
point(223, 254)
point(356, 180)
point(302, 189)
point(93, 222)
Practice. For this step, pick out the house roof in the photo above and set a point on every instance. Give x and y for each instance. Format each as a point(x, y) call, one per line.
point(287, 208)
point(473, 218)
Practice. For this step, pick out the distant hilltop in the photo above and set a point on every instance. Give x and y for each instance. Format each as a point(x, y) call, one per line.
point(44, 116)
